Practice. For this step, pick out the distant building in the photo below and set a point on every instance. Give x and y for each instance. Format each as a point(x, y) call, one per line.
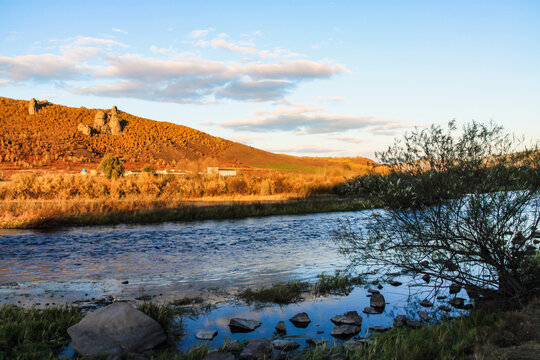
point(214, 170)
point(133, 172)
point(84, 172)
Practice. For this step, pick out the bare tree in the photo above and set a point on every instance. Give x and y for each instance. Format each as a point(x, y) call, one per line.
point(461, 206)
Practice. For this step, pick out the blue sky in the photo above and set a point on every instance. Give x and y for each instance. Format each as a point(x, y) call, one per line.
point(313, 78)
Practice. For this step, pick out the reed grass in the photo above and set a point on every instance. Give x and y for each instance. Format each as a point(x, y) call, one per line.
point(340, 283)
point(281, 293)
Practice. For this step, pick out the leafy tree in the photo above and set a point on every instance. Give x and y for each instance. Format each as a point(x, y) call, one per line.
point(148, 169)
point(112, 167)
point(461, 207)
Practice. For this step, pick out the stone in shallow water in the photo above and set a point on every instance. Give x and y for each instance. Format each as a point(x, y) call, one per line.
point(116, 329)
point(372, 311)
point(256, 349)
point(371, 291)
point(426, 303)
point(281, 327)
point(285, 345)
point(345, 331)
point(395, 283)
point(377, 301)
point(206, 334)
point(350, 318)
point(316, 342)
point(300, 320)
point(243, 325)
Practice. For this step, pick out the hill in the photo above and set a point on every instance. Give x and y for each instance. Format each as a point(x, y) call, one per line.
point(51, 140)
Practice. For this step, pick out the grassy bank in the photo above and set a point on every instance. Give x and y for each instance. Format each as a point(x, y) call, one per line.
point(484, 334)
point(20, 214)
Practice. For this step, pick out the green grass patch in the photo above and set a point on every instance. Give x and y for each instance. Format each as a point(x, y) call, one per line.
point(340, 283)
point(282, 293)
point(302, 169)
point(29, 333)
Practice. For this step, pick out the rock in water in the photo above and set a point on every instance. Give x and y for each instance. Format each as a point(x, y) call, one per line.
point(395, 283)
point(285, 345)
point(426, 303)
point(315, 342)
point(281, 327)
point(372, 311)
point(206, 334)
point(116, 329)
point(377, 301)
point(114, 125)
point(300, 320)
point(345, 331)
point(350, 318)
point(243, 325)
point(100, 119)
point(256, 349)
point(32, 107)
point(85, 129)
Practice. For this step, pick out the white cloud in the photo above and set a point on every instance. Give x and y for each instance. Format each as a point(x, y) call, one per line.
point(351, 140)
point(119, 31)
point(195, 34)
point(305, 150)
point(331, 98)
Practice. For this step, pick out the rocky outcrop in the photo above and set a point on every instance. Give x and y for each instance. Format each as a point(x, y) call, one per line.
point(100, 119)
point(114, 110)
point(243, 325)
point(114, 125)
point(85, 129)
point(256, 349)
point(32, 107)
point(116, 329)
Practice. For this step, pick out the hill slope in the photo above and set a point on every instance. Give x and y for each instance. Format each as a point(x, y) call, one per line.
point(50, 139)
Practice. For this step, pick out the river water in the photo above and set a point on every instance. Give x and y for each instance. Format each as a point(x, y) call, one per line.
point(173, 260)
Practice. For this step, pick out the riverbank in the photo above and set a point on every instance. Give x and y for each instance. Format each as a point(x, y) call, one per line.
point(28, 333)
point(43, 214)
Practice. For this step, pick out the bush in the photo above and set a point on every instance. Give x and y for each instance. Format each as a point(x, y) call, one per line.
point(112, 167)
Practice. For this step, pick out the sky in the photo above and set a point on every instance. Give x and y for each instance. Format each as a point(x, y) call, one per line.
point(307, 78)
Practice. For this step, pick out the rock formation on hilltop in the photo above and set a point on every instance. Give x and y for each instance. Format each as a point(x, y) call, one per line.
point(101, 125)
point(32, 107)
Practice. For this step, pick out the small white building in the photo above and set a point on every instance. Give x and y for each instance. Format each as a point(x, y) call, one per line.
point(227, 172)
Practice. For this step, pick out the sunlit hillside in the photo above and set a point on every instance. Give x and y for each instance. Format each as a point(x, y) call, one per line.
point(49, 140)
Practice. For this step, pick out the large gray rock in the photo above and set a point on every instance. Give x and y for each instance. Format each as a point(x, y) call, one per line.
point(300, 320)
point(345, 331)
point(206, 334)
point(243, 325)
point(372, 311)
point(256, 349)
point(377, 301)
point(32, 107)
point(285, 345)
point(281, 327)
point(349, 318)
point(217, 355)
point(115, 329)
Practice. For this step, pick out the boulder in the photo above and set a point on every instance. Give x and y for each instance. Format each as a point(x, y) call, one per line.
point(256, 349)
point(285, 345)
point(85, 129)
point(218, 355)
point(206, 334)
point(455, 288)
point(426, 303)
point(345, 331)
point(243, 325)
point(233, 345)
point(32, 107)
point(115, 329)
point(281, 327)
point(100, 119)
point(105, 129)
point(377, 301)
point(349, 318)
point(371, 291)
point(114, 125)
point(300, 320)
